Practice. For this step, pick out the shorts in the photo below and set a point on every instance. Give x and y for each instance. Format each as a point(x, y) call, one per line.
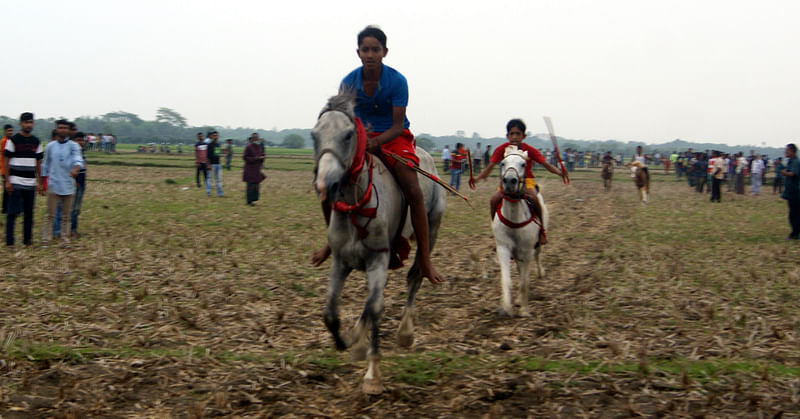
point(404, 146)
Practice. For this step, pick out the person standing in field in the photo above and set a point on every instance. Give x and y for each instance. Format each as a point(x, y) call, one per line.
point(476, 158)
point(213, 160)
point(252, 176)
point(8, 131)
point(487, 155)
point(80, 187)
point(717, 176)
point(756, 171)
point(228, 151)
point(22, 157)
point(791, 190)
point(446, 158)
point(457, 159)
point(62, 162)
point(777, 184)
point(201, 160)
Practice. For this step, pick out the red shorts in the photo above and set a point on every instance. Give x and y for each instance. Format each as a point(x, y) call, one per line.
point(404, 146)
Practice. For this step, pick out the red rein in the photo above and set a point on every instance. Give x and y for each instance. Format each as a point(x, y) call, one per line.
point(359, 159)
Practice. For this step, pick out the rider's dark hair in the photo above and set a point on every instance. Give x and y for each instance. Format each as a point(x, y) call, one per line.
point(374, 32)
point(516, 122)
point(792, 147)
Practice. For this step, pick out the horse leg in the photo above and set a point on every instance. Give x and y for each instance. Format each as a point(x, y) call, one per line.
point(504, 259)
point(376, 282)
point(336, 279)
point(405, 333)
point(524, 272)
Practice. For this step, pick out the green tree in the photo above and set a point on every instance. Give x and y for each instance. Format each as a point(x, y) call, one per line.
point(425, 143)
point(121, 116)
point(293, 141)
point(171, 117)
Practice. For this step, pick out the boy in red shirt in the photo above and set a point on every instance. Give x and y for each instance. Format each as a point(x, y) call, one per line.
point(515, 133)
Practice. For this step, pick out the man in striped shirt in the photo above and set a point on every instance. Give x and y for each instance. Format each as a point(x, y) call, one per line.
point(22, 164)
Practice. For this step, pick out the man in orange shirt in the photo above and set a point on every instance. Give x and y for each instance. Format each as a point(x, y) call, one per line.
point(8, 131)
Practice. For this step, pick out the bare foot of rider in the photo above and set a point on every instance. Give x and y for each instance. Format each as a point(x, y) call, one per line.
point(321, 255)
point(431, 274)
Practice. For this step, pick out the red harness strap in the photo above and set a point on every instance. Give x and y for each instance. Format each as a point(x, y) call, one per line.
point(358, 209)
point(511, 224)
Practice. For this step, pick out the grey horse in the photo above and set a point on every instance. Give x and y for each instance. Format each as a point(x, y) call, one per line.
point(359, 237)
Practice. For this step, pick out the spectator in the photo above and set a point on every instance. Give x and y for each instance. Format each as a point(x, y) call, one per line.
point(791, 193)
point(8, 131)
point(23, 152)
point(487, 155)
point(456, 165)
point(476, 158)
point(62, 162)
point(201, 160)
point(741, 169)
point(253, 162)
point(717, 176)
point(446, 158)
point(213, 160)
point(80, 187)
point(777, 184)
point(756, 171)
point(228, 150)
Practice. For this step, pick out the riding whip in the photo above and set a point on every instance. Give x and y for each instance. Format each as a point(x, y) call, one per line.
point(422, 171)
point(550, 129)
point(469, 160)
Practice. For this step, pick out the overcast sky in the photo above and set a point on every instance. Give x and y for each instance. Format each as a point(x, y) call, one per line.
point(719, 71)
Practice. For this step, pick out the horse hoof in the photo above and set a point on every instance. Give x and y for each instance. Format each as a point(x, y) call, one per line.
point(524, 313)
point(405, 340)
point(360, 352)
point(505, 312)
point(372, 386)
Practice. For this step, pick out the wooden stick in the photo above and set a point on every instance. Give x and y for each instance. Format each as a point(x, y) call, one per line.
point(430, 176)
point(550, 129)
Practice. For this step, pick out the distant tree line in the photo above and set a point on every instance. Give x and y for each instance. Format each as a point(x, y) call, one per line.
point(170, 127)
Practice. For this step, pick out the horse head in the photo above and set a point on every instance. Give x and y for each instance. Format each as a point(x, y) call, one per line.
point(512, 171)
point(335, 141)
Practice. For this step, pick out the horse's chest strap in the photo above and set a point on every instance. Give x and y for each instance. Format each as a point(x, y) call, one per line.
point(511, 224)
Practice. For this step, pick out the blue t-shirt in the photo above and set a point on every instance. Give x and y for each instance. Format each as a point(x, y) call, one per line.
point(376, 111)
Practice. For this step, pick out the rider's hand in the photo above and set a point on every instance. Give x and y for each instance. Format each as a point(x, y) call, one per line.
point(472, 184)
point(373, 146)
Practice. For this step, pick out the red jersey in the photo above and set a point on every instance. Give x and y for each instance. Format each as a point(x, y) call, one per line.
point(457, 158)
point(533, 156)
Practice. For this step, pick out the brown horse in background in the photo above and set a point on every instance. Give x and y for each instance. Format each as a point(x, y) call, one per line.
point(641, 177)
point(607, 174)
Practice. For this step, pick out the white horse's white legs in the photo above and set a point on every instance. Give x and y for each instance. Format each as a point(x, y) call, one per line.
point(372, 379)
point(504, 259)
point(524, 280)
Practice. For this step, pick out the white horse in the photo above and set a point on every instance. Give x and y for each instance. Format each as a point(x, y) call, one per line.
point(516, 230)
point(368, 216)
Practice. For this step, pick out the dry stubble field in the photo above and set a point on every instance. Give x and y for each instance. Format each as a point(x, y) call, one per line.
point(174, 304)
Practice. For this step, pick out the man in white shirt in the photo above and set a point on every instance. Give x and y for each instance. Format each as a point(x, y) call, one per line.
point(476, 158)
point(756, 171)
point(446, 158)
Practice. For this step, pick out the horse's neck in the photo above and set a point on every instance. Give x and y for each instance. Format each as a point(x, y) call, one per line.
point(516, 211)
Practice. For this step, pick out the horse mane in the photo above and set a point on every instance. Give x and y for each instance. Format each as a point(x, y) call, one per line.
point(344, 101)
point(514, 151)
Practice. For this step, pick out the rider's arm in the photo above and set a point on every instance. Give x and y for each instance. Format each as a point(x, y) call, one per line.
point(398, 119)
